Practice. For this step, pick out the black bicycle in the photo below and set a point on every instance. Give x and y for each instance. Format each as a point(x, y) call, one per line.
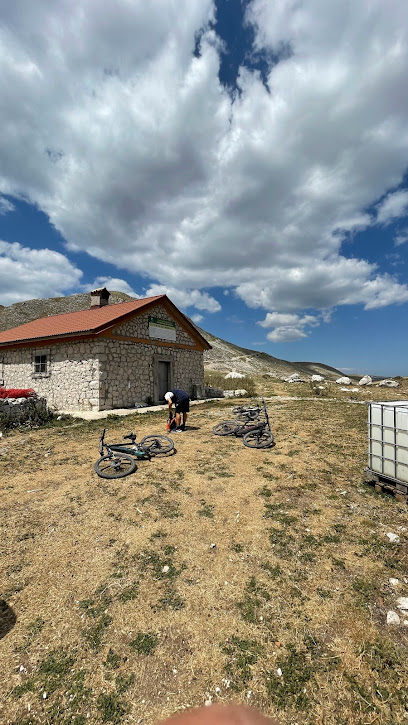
point(254, 434)
point(244, 413)
point(120, 458)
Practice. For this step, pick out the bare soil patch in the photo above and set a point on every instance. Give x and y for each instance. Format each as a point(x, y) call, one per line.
point(223, 573)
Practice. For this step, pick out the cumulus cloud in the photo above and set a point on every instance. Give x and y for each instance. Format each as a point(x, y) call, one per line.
point(33, 273)
point(288, 327)
point(5, 206)
point(185, 298)
point(197, 318)
point(112, 283)
point(142, 159)
point(401, 238)
point(392, 207)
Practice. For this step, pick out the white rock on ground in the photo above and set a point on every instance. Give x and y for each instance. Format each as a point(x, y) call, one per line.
point(295, 378)
point(366, 380)
point(388, 384)
point(402, 604)
point(343, 381)
point(393, 582)
point(317, 378)
point(393, 619)
point(394, 538)
point(235, 393)
point(233, 374)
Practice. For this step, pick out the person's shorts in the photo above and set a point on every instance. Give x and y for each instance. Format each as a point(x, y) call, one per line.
point(183, 406)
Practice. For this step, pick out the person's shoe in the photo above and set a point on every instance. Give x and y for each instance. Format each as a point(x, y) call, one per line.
point(178, 430)
point(182, 427)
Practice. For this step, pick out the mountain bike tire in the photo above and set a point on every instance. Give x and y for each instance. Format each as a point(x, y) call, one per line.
point(157, 445)
point(258, 439)
point(226, 428)
point(115, 467)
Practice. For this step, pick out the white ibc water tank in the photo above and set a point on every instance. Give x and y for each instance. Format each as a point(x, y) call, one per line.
point(388, 439)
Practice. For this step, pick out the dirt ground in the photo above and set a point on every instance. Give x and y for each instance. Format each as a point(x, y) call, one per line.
point(219, 573)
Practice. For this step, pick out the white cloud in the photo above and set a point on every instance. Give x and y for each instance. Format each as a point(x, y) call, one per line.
point(395, 205)
point(401, 238)
point(5, 206)
point(112, 283)
point(185, 297)
point(197, 318)
point(288, 327)
point(140, 158)
point(33, 273)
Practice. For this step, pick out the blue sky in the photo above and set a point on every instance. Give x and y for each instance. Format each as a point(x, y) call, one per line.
point(248, 158)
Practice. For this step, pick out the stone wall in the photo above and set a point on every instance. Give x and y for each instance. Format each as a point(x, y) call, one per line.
point(31, 412)
point(128, 372)
point(139, 326)
point(72, 379)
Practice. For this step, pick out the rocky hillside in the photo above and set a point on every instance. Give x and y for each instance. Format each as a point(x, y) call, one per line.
point(224, 356)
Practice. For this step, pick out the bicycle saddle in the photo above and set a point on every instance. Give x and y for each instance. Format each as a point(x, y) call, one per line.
point(131, 437)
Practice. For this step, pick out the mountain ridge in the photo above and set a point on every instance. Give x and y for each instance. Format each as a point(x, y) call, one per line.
point(224, 356)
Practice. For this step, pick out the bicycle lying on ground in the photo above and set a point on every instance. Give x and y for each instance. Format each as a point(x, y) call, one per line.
point(254, 434)
point(244, 413)
point(119, 459)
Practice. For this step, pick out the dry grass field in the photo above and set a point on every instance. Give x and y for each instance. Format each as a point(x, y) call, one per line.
point(219, 573)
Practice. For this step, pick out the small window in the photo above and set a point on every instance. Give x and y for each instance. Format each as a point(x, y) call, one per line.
point(40, 363)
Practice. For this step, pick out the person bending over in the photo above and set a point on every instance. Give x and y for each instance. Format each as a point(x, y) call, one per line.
point(181, 400)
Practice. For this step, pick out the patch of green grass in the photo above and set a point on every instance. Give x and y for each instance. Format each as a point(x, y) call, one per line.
point(111, 708)
point(206, 510)
point(129, 593)
point(94, 635)
point(113, 660)
point(144, 643)
point(242, 655)
point(51, 674)
point(32, 631)
point(171, 599)
point(238, 548)
point(254, 597)
point(122, 683)
point(274, 571)
point(366, 590)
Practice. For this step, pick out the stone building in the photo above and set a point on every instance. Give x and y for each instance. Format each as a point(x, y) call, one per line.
point(108, 356)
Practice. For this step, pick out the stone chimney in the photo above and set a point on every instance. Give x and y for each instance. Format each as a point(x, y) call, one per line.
point(100, 297)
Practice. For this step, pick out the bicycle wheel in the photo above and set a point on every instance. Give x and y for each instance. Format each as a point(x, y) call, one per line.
point(225, 428)
point(258, 439)
point(116, 466)
point(157, 445)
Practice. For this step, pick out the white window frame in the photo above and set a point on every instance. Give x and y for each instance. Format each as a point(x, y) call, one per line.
point(41, 353)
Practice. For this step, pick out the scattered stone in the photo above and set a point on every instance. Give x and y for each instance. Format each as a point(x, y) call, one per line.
point(388, 384)
point(402, 604)
point(235, 393)
point(343, 381)
point(165, 569)
point(233, 374)
point(295, 378)
point(394, 538)
point(393, 619)
point(279, 672)
point(366, 380)
point(393, 582)
point(317, 378)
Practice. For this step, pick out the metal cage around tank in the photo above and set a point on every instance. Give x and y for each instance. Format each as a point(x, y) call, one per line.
point(388, 442)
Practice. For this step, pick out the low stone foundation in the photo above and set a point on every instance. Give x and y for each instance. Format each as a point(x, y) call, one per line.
point(31, 412)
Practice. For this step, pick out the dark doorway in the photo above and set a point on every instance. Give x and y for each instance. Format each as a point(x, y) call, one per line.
point(163, 378)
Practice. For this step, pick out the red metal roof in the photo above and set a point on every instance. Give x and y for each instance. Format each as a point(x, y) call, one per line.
point(92, 320)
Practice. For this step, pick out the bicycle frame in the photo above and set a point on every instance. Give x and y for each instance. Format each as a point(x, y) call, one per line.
point(135, 449)
point(250, 427)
